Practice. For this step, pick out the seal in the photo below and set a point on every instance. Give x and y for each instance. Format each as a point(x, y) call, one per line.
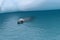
point(22, 20)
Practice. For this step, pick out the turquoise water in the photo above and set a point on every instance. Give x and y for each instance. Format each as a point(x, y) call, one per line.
point(44, 26)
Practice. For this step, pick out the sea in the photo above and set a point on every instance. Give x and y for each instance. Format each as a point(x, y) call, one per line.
point(44, 26)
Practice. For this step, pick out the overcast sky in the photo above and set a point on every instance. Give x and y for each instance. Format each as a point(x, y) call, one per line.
point(28, 5)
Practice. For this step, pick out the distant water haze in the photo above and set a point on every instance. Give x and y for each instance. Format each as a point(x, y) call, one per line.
point(28, 5)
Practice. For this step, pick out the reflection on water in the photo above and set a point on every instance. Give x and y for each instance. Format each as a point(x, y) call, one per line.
point(46, 26)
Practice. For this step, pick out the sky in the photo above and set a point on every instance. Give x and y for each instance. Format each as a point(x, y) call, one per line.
point(28, 5)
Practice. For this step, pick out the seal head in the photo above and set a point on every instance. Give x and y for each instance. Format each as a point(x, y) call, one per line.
point(20, 21)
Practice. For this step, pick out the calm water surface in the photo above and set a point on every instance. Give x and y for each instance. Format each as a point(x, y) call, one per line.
point(44, 26)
